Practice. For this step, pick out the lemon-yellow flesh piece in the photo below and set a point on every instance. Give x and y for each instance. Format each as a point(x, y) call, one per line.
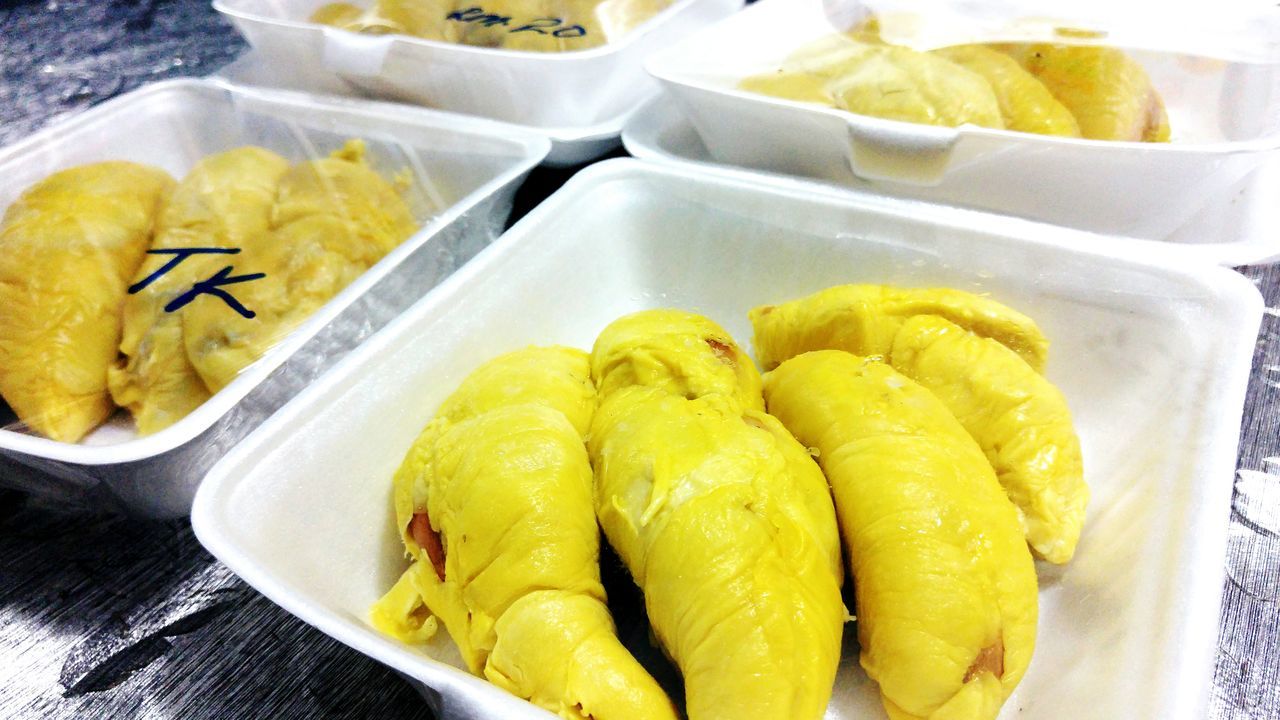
point(1025, 103)
point(946, 595)
point(1108, 92)
point(1020, 420)
point(500, 488)
point(882, 81)
point(333, 219)
point(69, 246)
point(679, 352)
point(864, 319)
point(723, 519)
point(224, 202)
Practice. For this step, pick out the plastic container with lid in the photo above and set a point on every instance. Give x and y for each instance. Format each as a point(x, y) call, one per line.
point(461, 175)
point(1152, 355)
point(1219, 78)
point(1235, 227)
point(573, 96)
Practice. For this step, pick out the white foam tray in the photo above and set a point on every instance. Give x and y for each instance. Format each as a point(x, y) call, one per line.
point(1225, 119)
point(1152, 354)
point(465, 176)
point(1239, 226)
point(570, 146)
point(580, 99)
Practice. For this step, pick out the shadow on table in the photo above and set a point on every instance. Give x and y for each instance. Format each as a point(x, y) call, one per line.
point(107, 616)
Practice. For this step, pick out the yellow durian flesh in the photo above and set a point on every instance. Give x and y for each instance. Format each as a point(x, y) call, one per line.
point(515, 482)
point(882, 81)
point(864, 319)
point(1019, 418)
point(69, 246)
point(676, 351)
point(560, 650)
point(224, 202)
point(507, 491)
point(900, 84)
point(727, 526)
point(945, 586)
point(1108, 92)
point(558, 378)
point(401, 613)
point(1026, 105)
point(333, 219)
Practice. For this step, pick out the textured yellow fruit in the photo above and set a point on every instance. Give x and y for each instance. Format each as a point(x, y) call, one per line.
point(1019, 418)
point(678, 352)
point(1025, 103)
point(501, 494)
point(722, 518)
point(1107, 91)
point(401, 613)
point(558, 378)
point(333, 219)
point(863, 319)
point(68, 249)
point(945, 587)
point(901, 84)
point(726, 524)
point(883, 81)
point(224, 202)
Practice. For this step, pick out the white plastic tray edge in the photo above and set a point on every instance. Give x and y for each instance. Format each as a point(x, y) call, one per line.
point(208, 413)
point(1205, 576)
point(638, 140)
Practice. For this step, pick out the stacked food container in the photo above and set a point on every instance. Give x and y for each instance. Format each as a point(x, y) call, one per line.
point(784, 148)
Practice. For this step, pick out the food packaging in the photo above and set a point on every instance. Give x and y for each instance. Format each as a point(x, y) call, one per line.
point(570, 146)
point(1152, 355)
point(555, 92)
point(462, 177)
point(1217, 70)
point(1235, 227)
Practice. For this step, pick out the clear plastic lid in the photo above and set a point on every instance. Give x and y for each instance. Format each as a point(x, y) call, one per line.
point(527, 25)
point(1246, 31)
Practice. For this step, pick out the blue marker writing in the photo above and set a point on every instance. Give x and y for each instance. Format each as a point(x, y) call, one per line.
point(212, 287)
point(179, 254)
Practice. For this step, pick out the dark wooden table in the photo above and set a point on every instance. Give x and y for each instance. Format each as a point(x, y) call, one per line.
point(104, 617)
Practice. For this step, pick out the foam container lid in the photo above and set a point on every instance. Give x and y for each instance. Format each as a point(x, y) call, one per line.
point(1152, 355)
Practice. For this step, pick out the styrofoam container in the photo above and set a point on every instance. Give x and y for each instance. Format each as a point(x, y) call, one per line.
point(464, 179)
point(1152, 355)
point(570, 146)
point(1225, 118)
point(1237, 226)
point(575, 89)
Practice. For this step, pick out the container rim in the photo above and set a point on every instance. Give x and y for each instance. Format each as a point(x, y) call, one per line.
point(535, 147)
point(226, 7)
